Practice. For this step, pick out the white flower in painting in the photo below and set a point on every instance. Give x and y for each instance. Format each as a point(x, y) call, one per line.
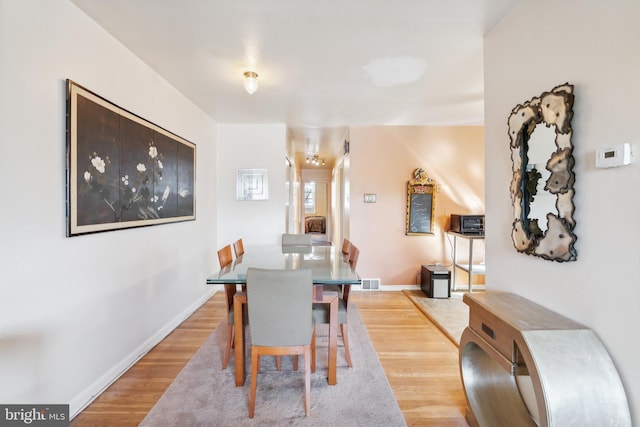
point(183, 192)
point(153, 152)
point(154, 199)
point(133, 189)
point(125, 179)
point(87, 176)
point(141, 167)
point(165, 195)
point(98, 163)
point(160, 164)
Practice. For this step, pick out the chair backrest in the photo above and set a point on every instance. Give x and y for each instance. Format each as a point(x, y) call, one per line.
point(280, 306)
point(225, 256)
point(346, 246)
point(296, 239)
point(354, 254)
point(238, 247)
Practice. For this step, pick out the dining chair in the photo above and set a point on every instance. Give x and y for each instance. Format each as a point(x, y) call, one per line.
point(296, 239)
point(354, 254)
point(280, 304)
point(224, 258)
point(346, 246)
point(238, 247)
point(321, 312)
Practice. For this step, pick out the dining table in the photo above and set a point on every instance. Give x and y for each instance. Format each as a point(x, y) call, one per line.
point(328, 268)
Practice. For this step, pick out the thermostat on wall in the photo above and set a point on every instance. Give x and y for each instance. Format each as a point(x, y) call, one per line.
point(618, 155)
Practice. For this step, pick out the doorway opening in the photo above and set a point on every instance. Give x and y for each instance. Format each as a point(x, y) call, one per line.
point(317, 211)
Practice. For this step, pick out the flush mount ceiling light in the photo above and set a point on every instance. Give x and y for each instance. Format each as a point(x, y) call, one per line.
point(250, 81)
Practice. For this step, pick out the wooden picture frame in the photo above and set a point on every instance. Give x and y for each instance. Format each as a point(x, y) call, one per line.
point(122, 170)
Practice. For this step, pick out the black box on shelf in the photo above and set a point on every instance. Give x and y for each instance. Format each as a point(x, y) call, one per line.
point(435, 281)
point(467, 224)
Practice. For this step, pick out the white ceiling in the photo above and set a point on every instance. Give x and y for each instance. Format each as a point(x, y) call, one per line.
point(323, 65)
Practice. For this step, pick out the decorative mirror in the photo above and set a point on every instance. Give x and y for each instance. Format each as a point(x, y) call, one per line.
point(420, 204)
point(543, 178)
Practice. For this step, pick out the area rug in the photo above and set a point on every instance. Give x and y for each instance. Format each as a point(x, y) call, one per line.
point(451, 315)
point(205, 395)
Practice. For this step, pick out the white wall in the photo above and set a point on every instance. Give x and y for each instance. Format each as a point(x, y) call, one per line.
point(253, 146)
point(595, 46)
point(319, 175)
point(75, 312)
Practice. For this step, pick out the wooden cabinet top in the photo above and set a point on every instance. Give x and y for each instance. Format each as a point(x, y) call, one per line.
point(520, 313)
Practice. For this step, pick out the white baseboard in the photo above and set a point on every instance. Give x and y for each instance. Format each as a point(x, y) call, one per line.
point(386, 288)
point(81, 401)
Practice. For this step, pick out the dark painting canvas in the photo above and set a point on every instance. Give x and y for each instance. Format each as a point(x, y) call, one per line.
point(123, 170)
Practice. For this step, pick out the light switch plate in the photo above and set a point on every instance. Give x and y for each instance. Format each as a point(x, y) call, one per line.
point(369, 198)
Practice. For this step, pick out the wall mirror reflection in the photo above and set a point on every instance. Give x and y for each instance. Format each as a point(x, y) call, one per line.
point(543, 179)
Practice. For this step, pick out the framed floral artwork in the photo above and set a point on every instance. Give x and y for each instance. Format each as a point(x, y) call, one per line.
point(122, 170)
point(252, 184)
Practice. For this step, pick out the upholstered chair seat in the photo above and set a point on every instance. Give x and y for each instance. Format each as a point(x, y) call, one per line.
point(321, 312)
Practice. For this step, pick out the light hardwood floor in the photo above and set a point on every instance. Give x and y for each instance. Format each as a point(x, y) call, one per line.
point(420, 362)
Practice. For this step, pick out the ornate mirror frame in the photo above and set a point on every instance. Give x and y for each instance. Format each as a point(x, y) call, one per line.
point(542, 185)
point(420, 204)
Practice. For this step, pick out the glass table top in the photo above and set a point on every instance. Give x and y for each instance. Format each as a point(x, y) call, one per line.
point(326, 264)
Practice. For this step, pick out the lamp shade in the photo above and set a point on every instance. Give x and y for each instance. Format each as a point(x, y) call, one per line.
point(250, 81)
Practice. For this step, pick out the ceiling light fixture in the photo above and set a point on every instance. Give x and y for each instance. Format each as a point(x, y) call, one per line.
point(315, 160)
point(250, 81)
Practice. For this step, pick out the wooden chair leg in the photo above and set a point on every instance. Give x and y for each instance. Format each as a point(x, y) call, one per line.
point(227, 351)
point(278, 364)
point(345, 340)
point(255, 362)
point(307, 352)
point(295, 362)
point(313, 350)
point(307, 380)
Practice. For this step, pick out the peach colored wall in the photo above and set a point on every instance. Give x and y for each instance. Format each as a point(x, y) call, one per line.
point(383, 159)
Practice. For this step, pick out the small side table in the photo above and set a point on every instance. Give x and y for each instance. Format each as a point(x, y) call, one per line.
point(471, 268)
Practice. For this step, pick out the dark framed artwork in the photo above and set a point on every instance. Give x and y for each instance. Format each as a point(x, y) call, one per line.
point(122, 170)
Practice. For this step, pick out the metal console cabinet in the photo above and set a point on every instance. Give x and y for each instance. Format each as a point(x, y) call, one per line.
point(525, 365)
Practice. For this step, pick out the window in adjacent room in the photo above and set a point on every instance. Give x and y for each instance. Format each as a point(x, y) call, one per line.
point(310, 197)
